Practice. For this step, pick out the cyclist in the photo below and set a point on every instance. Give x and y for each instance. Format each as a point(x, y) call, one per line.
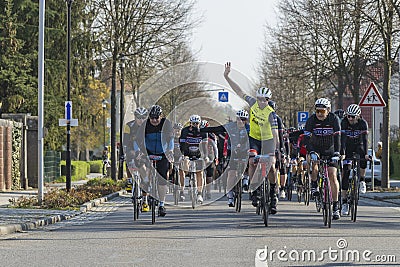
point(263, 135)
point(281, 154)
point(238, 135)
point(354, 139)
point(193, 144)
point(133, 126)
point(212, 154)
point(322, 136)
point(156, 137)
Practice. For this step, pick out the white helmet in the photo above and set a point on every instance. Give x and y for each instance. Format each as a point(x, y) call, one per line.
point(204, 124)
point(322, 103)
point(264, 92)
point(195, 118)
point(353, 110)
point(141, 111)
point(242, 114)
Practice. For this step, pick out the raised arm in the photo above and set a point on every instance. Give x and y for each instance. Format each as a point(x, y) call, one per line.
point(235, 87)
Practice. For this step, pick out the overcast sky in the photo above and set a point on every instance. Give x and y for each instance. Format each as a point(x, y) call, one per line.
point(233, 30)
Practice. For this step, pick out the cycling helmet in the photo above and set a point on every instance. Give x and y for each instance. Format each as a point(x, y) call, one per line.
point(204, 124)
point(242, 114)
point(264, 92)
point(141, 112)
point(339, 113)
point(195, 118)
point(155, 111)
point(353, 110)
point(272, 104)
point(322, 103)
point(178, 126)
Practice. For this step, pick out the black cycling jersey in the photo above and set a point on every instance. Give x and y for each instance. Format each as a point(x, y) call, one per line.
point(293, 140)
point(323, 137)
point(190, 141)
point(354, 137)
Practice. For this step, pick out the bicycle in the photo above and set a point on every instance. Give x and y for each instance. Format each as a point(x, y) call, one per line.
point(192, 180)
point(353, 193)
point(306, 188)
point(153, 197)
point(324, 199)
point(175, 182)
point(264, 199)
point(238, 188)
point(136, 191)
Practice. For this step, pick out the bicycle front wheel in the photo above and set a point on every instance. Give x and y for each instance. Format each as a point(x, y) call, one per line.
point(265, 202)
point(306, 189)
point(193, 189)
point(135, 201)
point(327, 204)
point(354, 198)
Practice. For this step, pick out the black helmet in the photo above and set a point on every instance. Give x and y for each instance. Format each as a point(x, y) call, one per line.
point(272, 104)
point(155, 111)
point(339, 113)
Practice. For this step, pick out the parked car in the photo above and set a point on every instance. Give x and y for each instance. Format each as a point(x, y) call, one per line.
point(377, 169)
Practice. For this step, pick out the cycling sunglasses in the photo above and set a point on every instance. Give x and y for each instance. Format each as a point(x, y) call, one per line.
point(154, 117)
point(351, 116)
point(262, 99)
point(322, 111)
point(242, 119)
point(141, 117)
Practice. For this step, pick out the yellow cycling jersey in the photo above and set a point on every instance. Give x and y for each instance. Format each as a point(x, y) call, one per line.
point(262, 121)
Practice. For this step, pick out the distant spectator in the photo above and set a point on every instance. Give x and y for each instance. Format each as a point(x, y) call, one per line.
point(378, 153)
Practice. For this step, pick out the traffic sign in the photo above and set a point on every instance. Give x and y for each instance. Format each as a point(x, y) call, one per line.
point(372, 98)
point(68, 110)
point(302, 116)
point(223, 96)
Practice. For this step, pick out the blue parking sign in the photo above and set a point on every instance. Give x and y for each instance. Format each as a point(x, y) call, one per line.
point(223, 96)
point(302, 116)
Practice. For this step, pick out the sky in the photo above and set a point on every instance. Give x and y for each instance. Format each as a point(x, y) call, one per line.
point(233, 30)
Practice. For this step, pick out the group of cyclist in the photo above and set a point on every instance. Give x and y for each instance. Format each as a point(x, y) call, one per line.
point(258, 132)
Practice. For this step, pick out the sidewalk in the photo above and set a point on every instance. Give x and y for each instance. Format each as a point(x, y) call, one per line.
point(17, 220)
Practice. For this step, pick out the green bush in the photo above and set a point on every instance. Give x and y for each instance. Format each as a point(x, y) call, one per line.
point(61, 199)
point(96, 166)
point(79, 170)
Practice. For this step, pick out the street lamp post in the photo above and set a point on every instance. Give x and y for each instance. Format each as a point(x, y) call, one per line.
point(104, 105)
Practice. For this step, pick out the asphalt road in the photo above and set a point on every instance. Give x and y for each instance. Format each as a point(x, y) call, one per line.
point(212, 235)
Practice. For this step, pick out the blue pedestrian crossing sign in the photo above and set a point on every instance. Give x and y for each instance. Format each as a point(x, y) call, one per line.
point(223, 96)
point(302, 116)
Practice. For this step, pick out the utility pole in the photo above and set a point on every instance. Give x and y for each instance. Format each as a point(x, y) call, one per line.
point(121, 121)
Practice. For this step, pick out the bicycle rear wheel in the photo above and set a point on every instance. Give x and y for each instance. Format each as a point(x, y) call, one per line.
point(153, 207)
point(265, 201)
point(238, 195)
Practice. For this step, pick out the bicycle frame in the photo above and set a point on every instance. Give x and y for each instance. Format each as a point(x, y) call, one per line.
point(136, 191)
point(354, 184)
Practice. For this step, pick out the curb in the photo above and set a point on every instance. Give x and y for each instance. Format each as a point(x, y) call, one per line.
point(381, 199)
point(13, 228)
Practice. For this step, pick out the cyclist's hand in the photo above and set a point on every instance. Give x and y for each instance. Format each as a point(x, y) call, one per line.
point(227, 69)
point(216, 162)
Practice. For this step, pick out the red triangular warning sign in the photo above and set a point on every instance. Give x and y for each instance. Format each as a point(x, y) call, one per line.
point(372, 98)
